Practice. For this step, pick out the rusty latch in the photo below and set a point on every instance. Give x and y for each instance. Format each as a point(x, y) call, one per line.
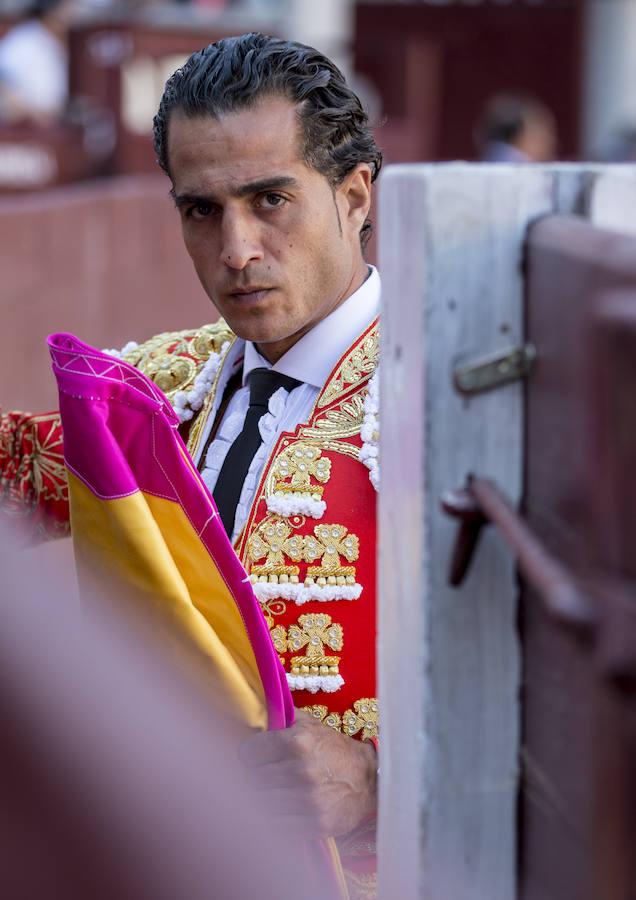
point(480, 503)
point(492, 371)
point(600, 607)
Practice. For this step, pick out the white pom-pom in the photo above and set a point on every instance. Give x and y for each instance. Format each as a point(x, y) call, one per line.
point(370, 430)
point(186, 403)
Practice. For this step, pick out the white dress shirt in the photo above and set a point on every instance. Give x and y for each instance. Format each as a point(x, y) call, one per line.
point(309, 361)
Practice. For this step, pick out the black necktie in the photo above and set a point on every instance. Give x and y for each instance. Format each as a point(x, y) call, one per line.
point(263, 383)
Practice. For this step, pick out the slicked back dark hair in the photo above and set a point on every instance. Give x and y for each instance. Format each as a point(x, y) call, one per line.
point(236, 73)
point(40, 9)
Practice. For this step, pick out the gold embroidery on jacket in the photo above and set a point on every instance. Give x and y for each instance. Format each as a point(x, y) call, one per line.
point(368, 712)
point(171, 373)
point(271, 608)
point(271, 541)
point(196, 432)
point(328, 544)
point(210, 339)
point(364, 720)
point(294, 469)
point(275, 542)
point(315, 631)
point(277, 633)
point(361, 361)
point(336, 424)
point(332, 719)
point(328, 429)
point(47, 462)
point(174, 358)
point(37, 462)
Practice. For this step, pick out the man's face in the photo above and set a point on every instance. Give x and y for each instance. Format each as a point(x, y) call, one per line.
point(275, 248)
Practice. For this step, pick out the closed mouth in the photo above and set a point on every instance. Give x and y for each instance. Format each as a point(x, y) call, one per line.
point(250, 290)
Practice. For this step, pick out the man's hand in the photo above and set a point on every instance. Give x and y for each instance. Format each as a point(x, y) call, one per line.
point(316, 779)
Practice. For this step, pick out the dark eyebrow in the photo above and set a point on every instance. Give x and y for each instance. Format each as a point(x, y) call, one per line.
point(245, 190)
point(265, 184)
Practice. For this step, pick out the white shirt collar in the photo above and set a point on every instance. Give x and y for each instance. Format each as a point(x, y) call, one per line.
point(313, 357)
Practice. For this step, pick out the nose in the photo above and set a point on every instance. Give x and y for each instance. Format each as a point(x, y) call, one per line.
point(240, 241)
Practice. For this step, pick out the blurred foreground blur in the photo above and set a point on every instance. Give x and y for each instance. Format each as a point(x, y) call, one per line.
point(119, 777)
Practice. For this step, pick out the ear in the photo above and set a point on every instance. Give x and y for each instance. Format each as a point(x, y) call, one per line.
point(355, 193)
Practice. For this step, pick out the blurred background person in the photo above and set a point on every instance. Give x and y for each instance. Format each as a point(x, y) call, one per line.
point(34, 63)
point(516, 129)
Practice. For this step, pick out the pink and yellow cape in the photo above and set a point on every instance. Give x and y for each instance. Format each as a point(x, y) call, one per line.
point(142, 519)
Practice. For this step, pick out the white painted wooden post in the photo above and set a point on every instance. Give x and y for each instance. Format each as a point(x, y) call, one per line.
point(451, 243)
point(609, 70)
point(612, 201)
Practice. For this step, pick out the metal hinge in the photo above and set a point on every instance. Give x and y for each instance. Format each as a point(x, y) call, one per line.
point(493, 371)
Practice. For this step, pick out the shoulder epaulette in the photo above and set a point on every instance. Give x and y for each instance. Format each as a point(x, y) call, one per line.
point(173, 359)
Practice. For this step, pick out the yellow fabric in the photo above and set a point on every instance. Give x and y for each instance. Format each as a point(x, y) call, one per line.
point(146, 550)
point(146, 545)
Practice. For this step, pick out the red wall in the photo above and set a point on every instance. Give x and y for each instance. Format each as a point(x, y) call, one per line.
point(104, 260)
point(435, 67)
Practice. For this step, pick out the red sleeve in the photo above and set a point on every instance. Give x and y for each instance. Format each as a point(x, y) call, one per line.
point(33, 486)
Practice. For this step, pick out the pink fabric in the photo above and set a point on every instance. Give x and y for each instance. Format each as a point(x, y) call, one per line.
point(120, 436)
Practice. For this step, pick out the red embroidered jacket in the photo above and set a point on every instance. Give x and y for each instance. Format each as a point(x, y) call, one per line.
point(309, 544)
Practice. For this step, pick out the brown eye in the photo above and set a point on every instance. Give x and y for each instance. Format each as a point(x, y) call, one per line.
point(272, 201)
point(201, 211)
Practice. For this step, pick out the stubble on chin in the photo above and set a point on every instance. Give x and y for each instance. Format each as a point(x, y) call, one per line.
point(257, 331)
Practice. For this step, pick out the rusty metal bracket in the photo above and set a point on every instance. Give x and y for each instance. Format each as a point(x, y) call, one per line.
point(493, 371)
point(481, 502)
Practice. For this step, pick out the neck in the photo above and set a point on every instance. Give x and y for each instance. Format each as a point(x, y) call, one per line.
point(273, 351)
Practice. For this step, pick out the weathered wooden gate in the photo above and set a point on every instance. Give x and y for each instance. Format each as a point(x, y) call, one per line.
point(509, 703)
point(578, 803)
